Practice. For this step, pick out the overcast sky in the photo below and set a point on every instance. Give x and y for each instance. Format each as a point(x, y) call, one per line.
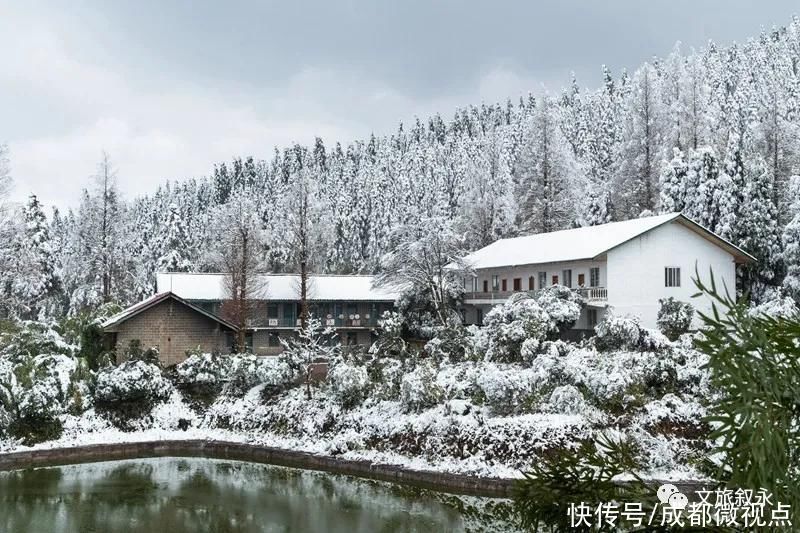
point(168, 88)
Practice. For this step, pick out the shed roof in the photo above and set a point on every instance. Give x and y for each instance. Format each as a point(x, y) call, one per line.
point(144, 305)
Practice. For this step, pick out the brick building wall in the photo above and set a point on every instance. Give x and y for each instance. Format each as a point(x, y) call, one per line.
point(173, 328)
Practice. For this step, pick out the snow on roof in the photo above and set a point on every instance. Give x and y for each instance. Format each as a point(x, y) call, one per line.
point(575, 244)
point(194, 286)
point(137, 308)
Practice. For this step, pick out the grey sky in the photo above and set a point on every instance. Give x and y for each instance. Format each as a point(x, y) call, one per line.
point(170, 87)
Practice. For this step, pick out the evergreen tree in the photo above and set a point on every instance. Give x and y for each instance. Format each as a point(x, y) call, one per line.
point(176, 244)
point(34, 277)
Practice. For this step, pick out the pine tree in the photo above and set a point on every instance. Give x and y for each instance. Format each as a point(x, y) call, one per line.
point(546, 171)
point(34, 278)
point(673, 182)
point(791, 241)
point(175, 248)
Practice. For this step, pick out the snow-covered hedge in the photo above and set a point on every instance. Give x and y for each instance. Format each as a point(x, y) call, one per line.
point(203, 374)
point(504, 388)
point(132, 381)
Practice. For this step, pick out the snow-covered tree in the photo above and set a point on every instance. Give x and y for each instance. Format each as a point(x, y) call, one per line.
point(33, 279)
point(176, 243)
point(791, 241)
point(427, 258)
point(239, 254)
point(546, 174)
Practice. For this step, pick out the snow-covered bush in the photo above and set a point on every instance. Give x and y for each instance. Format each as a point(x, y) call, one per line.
point(248, 371)
point(131, 382)
point(33, 392)
point(779, 307)
point(203, 374)
point(385, 374)
point(562, 304)
point(674, 317)
point(419, 389)
point(618, 333)
point(35, 338)
point(135, 352)
point(507, 326)
point(348, 383)
point(566, 399)
point(504, 388)
point(450, 343)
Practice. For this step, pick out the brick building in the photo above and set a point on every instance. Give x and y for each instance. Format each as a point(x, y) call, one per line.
point(188, 312)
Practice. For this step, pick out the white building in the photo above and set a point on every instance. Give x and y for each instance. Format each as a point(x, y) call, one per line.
point(625, 266)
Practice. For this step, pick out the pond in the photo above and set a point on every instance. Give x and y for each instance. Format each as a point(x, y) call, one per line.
point(175, 495)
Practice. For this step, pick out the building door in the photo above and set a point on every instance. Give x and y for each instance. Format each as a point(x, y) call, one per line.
point(581, 280)
point(555, 280)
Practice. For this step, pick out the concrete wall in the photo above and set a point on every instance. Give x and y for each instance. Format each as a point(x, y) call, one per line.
point(636, 270)
point(173, 328)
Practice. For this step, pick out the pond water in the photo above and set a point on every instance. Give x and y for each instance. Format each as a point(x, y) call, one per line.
point(174, 495)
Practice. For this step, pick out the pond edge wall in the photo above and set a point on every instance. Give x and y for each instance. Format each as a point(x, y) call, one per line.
point(439, 481)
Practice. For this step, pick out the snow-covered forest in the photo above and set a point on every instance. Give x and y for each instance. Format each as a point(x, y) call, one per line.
point(713, 132)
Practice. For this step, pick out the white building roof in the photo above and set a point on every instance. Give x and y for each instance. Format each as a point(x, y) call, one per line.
point(583, 243)
point(194, 286)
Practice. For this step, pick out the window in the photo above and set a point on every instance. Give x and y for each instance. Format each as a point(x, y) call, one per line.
point(272, 311)
point(288, 314)
point(486, 285)
point(592, 316)
point(474, 284)
point(479, 316)
point(581, 280)
point(555, 280)
point(495, 283)
point(542, 279)
point(505, 285)
point(567, 277)
point(672, 277)
point(517, 284)
point(274, 340)
point(531, 284)
point(594, 277)
point(352, 338)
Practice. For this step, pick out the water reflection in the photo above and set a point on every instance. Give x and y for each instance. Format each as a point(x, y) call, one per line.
point(176, 495)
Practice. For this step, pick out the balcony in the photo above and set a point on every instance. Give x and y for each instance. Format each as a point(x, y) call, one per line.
point(592, 295)
point(345, 321)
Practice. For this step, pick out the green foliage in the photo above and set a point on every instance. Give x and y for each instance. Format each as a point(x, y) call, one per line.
point(754, 363)
point(674, 317)
point(33, 338)
point(586, 475)
point(134, 352)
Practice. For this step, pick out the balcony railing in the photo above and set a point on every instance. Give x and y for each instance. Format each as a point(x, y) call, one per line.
point(591, 294)
point(346, 322)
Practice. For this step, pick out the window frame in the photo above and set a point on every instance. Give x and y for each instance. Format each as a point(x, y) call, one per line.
point(566, 277)
point(542, 280)
point(672, 277)
point(594, 276)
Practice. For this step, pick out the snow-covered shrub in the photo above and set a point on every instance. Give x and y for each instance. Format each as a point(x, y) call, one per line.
point(625, 333)
point(779, 307)
point(33, 392)
point(504, 388)
point(131, 382)
point(674, 317)
point(419, 389)
point(348, 383)
point(450, 343)
point(203, 375)
point(248, 371)
point(618, 333)
point(34, 338)
point(135, 352)
point(566, 399)
point(385, 374)
point(562, 304)
point(507, 326)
